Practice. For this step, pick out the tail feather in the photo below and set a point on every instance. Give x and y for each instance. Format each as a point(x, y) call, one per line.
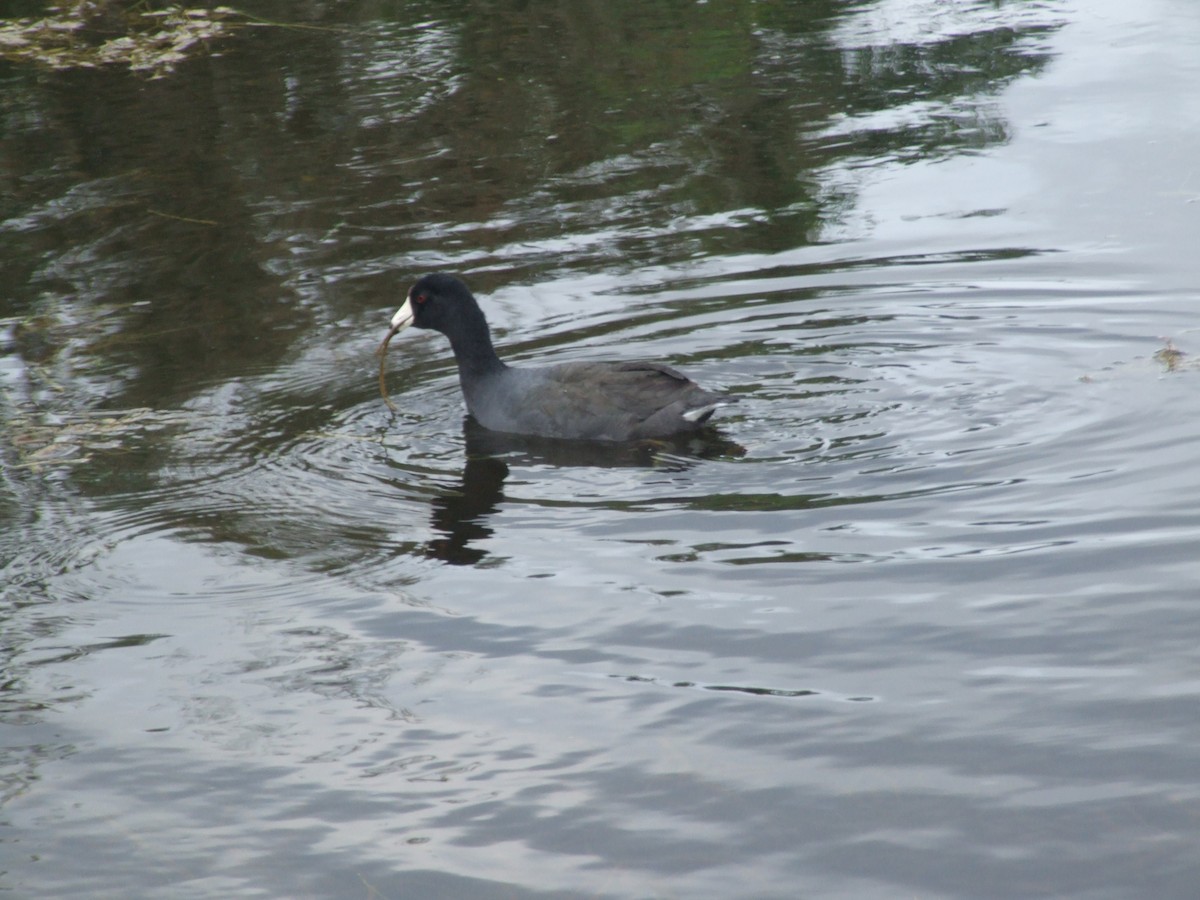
point(702, 414)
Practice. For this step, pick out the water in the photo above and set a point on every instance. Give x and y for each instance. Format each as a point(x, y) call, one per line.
point(916, 621)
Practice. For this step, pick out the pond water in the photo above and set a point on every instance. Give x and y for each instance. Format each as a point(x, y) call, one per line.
point(919, 619)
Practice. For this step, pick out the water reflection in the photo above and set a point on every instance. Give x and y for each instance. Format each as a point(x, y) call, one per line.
point(372, 647)
point(675, 453)
point(205, 228)
point(460, 514)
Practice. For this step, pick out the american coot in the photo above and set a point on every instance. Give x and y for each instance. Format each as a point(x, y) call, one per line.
point(607, 401)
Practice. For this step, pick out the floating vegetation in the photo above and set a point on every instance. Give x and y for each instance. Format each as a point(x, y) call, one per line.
point(93, 34)
point(1171, 358)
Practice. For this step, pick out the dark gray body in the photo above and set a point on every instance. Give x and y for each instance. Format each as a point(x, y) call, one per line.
point(609, 401)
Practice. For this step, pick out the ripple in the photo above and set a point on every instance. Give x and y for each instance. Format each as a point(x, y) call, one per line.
point(784, 693)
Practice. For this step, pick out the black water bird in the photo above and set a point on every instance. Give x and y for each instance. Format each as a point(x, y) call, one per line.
point(604, 401)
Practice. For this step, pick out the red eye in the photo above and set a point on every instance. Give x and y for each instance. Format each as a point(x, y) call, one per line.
point(420, 298)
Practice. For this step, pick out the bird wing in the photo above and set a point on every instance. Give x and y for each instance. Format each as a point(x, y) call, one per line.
point(603, 399)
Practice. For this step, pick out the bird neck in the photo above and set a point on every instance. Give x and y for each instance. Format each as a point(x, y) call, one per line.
point(472, 345)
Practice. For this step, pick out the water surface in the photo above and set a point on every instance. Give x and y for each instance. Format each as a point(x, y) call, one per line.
point(917, 620)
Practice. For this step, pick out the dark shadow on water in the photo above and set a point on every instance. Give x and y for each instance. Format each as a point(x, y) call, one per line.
point(460, 516)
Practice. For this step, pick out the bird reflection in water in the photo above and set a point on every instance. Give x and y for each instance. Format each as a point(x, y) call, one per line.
point(460, 516)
